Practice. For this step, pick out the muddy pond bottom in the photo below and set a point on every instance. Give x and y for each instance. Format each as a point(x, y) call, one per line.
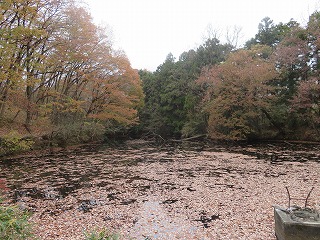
point(178, 191)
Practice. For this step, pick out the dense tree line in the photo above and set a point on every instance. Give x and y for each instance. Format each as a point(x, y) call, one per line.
point(267, 89)
point(61, 78)
point(172, 97)
point(60, 75)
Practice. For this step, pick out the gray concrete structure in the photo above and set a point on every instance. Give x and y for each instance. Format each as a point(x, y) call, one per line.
point(298, 224)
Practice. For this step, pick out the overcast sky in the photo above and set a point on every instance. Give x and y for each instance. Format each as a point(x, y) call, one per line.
point(147, 30)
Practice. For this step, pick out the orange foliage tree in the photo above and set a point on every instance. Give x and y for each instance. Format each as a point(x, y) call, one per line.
point(59, 68)
point(239, 95)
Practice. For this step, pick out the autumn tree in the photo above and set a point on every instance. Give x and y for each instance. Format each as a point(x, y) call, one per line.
point(302, 56)
point(59, 70)
point(306, 109)
point(239, 95)
point(292, 57)
point(296, 59)
point(94, 83)
point(26, 36)
point(114, 95)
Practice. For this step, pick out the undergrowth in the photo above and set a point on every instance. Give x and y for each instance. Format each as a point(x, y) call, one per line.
point(14, 223)
point(101, 235)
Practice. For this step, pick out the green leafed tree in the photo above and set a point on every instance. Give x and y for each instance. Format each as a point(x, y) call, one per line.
point(173, 100)
point(271, 34)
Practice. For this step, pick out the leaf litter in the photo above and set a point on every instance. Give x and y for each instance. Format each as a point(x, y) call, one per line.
point(143, 191)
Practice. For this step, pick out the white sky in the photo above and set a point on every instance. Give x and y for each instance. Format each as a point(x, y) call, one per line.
point(148, 30)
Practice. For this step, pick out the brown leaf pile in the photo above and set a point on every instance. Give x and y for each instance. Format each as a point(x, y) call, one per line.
point(145, 192)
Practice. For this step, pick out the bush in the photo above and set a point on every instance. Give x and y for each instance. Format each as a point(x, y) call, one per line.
point(14, 224)
point(101, 235)
point(13, 142)
point(77, 132)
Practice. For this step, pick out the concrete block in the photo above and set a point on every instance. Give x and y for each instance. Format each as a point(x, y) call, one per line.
point(293, 227)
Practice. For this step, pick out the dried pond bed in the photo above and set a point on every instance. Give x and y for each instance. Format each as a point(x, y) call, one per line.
point(143, 191)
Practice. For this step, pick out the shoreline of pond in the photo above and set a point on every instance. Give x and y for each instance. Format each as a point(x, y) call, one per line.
point(38, 151)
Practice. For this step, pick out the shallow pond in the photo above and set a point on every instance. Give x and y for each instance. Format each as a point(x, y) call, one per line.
point(187, 190)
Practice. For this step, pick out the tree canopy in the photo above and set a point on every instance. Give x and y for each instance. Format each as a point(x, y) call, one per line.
point(267, 89)
point(58, 69)
point(173, 100)
point(61, 77)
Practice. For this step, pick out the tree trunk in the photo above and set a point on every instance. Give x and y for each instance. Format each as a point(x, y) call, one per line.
point(274, 123)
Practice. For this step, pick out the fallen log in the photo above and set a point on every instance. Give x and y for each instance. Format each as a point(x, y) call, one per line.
point(189, 138)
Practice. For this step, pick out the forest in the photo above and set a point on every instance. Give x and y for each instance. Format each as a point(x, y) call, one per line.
point(62, 82)
point(268, 89)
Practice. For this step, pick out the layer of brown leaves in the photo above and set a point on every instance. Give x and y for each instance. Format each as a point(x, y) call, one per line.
point(175, 194)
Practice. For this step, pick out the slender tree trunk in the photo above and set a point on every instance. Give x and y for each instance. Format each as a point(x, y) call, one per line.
point(28, 109)
point(274, 123)
point(3, 102)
